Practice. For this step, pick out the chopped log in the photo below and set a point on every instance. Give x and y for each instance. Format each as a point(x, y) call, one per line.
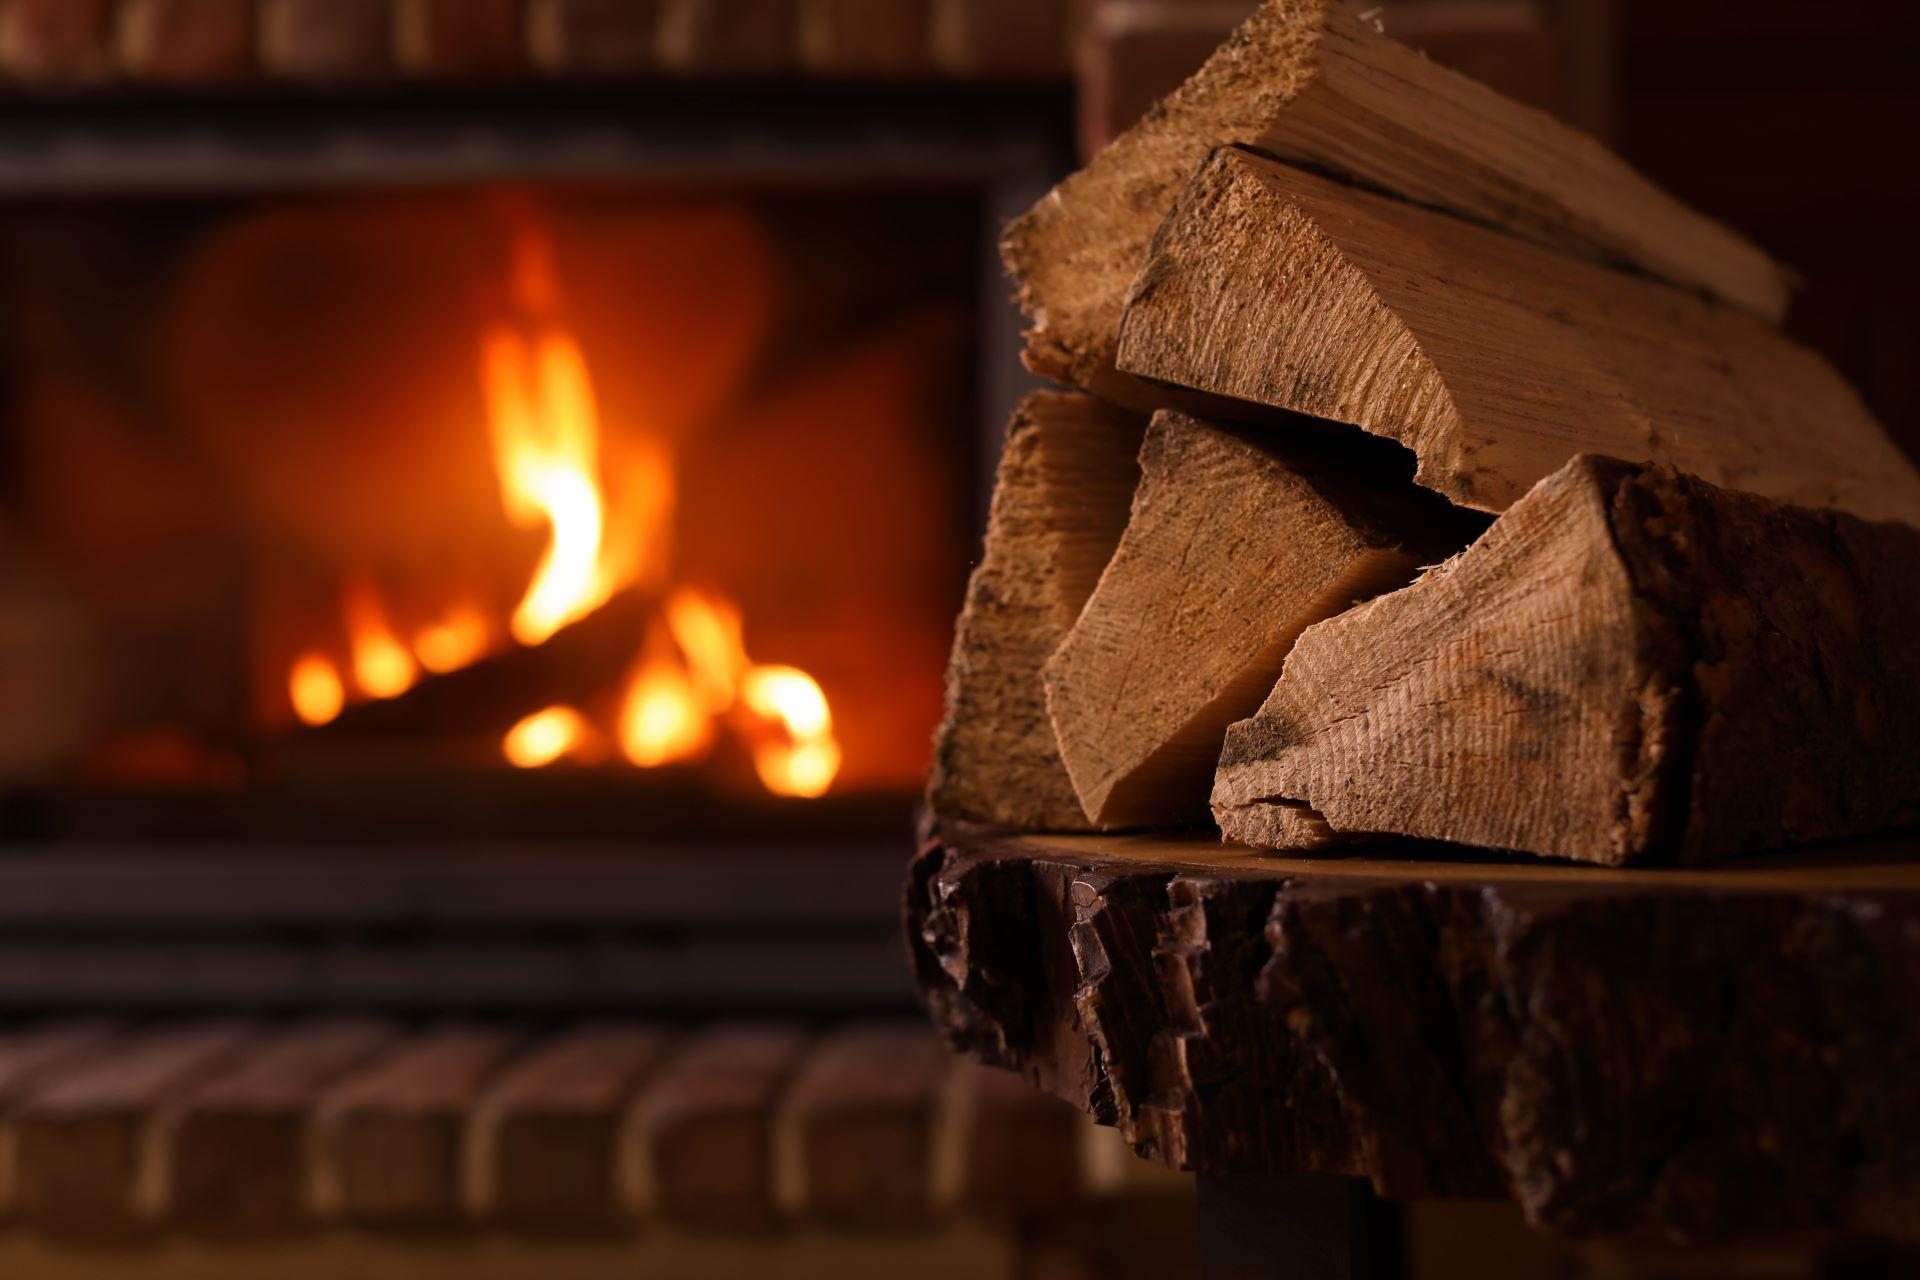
point(545, 1148)
point(389, 1141)
point(1702, 1053)
point(1231, 551)
point(239, 1159)
point(1308, 82)
point(1631, 666)
point(1493, 359)
point(1066, 478)
point(703, 1156)
point(576, 663)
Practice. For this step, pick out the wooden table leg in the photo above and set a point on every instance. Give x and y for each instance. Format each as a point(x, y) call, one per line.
point(1297, 1228)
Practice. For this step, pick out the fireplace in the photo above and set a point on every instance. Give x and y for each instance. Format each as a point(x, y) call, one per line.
point(454, 498)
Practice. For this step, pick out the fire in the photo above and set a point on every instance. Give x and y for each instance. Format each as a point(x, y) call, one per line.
point(546, 736)
point(545, 427)
point(382, 666)
point(663, 718)
point(693, 675)
point(315, 688)
point(457, 640)
point(804, 761)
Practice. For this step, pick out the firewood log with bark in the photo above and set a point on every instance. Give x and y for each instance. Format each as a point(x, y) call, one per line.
point(1310, 83)
point(1631, 665)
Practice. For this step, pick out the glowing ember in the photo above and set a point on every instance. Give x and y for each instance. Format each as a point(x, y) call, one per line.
point(315, 689)
point(382, 666)
point(456, 641)
point(805, 761)
point(544, 737)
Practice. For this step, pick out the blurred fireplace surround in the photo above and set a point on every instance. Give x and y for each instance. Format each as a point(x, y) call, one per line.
point(419, 843)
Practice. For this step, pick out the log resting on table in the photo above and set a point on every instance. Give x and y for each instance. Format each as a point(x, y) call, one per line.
point(1708, 1054)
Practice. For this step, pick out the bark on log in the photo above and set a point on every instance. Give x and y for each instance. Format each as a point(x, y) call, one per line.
point(1706, 1054)
point(1493, 359)
point(1066, 477)
point(1631, 665)
point(1310, 83)
point(1232, 549)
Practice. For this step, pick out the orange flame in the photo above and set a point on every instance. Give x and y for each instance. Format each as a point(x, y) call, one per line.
point(662, 718)
point(545, 736)
point(315, 689)
point(455, 641)
point(382, 666)
point(806, 758)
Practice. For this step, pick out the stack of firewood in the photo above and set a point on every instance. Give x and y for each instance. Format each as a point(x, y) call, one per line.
point(1427, 472)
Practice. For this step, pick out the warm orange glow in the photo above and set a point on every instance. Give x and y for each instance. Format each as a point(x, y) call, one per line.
point(315, 688)
point(382, 666)
point(806, 759)
point(708, 632)
point(454, 642)
point(662, 718)
point(544, 737)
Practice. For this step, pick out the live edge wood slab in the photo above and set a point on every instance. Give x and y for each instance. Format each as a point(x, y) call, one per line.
point(1703, 1053)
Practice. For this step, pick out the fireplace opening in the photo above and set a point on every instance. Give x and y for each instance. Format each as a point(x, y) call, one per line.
point(517, 511)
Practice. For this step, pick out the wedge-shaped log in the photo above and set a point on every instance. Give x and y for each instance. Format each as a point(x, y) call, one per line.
point(1493, 359)
point(1632, 665)
point(1310, 83)
point(1066, 477)
point(1231, 550)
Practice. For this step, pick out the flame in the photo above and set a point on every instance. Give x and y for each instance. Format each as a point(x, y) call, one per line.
point(453, 642)
point(663, 718)
point(708, 631)
point(545, 736)
point(804, 761)
point(382, 666)
point(315, 689)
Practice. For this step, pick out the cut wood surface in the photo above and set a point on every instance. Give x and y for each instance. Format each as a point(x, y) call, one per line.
point(1311, 83)
point(1708, 1052)
point(703, 1153)
point(1630, 665)
point(239, 1134)
point(1492, 359)
point(390, 1139)
point(545, 1144)
point(84, 1142)
point(1066, 478)
point(1231, 550)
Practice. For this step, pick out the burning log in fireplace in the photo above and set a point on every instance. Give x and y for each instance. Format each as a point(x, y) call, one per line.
point(1629, 664)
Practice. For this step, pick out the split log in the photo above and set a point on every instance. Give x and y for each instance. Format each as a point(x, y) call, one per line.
point(1631, 666)
point(1231, 551)
point(1493, 359)
point(1066, 477)
point(1704, 1053)
point(1310, 83)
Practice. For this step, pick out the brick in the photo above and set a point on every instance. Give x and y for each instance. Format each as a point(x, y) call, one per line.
point(1135, 52)
point(187, 41)
point(54, 40)
point(1002, 39)
point(461, 38)
point(594, 37)
point(854, 1143)
point(730, 37)
point(327, 39)
point(704, 1128)
point(866, 39)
